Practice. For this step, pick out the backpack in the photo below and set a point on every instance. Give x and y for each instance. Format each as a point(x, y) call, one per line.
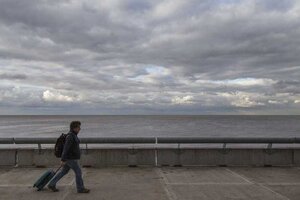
point(59, 145)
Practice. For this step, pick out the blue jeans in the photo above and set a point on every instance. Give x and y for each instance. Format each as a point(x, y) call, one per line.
point(70, 164)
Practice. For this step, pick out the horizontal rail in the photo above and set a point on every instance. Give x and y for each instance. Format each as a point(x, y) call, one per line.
point(35, 140)
point(156, 140)
point(248, 140)
point(6, 140)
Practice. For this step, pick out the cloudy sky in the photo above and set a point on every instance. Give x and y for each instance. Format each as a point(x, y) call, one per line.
point(150, 57)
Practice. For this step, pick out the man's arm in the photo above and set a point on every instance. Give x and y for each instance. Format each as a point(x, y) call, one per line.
point(67, 146)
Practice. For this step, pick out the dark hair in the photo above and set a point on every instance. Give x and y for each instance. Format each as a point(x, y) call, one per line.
point(75, 124)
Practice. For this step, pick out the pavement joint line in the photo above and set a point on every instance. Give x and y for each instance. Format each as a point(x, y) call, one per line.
point(69, 186)
point(211, 183)
point(261, 185)
point(166, 180)
point(240, 176)
point(185, 173)
point(279, 184)
point(170, 194)
point(278, 194)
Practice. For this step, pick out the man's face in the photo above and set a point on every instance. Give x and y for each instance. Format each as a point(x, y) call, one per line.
point(76, 130)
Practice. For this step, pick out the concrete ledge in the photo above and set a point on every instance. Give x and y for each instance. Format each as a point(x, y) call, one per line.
point(34, 157)
point(115, 157)
point(7, 157)
point(90, 157)
point(296, 157)
point(25, 157)
point(160, 156)
point(228, 157)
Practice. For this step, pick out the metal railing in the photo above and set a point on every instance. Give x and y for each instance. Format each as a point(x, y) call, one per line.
point(6, 140)
point(159, 140)
point(249, 140)
point(155, 140)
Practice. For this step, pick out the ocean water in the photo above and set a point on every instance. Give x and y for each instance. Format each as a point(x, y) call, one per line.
point(152, 125)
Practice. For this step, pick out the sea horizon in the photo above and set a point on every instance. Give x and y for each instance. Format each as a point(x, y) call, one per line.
point(152, 125)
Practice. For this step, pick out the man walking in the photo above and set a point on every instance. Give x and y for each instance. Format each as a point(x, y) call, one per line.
point(69, 159)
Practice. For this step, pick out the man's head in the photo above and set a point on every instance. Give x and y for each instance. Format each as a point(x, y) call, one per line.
point(75, 126)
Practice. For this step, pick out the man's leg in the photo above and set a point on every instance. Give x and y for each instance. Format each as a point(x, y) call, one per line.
point(65, 169)
point(74, 165)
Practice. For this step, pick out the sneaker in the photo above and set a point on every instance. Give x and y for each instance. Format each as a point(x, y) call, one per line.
point(53, 188)
point(84, 191)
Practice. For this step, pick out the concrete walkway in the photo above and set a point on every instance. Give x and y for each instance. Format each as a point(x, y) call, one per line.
point(165, 183)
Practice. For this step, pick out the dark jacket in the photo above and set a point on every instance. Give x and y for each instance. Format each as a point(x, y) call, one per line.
point(71, 148)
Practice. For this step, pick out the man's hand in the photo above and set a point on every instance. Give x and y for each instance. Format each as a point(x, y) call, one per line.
point(62, 163)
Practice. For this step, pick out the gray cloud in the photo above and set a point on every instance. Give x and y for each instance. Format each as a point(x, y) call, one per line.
point(150, 56)
point(292, 86)
point(12, 76)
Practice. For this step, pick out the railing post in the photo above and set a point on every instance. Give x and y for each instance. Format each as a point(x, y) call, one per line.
point(269, 149)
point(178, 152)
point(86, 148)
point(132, 157)
point(156, 153)
point(40, 148)
point(224, 148)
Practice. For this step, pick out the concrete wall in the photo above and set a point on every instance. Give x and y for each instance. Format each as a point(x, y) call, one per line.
point(297, 157)
point(163, 156)
point(115, 157)
point(229, 157)
point(34, 157)
point(91, 157)
point(7, 157)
